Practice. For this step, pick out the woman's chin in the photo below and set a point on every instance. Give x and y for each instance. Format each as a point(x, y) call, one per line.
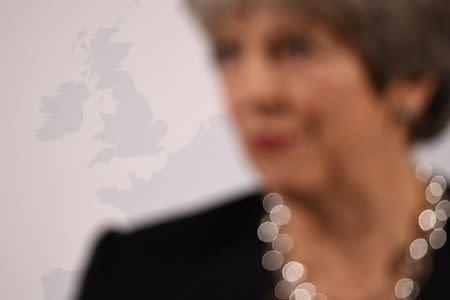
point(301, 182)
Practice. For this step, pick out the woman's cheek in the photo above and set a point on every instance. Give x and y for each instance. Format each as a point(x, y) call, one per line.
point(313, 101)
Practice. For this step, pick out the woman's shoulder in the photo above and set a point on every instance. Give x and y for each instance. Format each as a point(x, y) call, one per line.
point(207, 224)
point(206, 228)
point(123, 258)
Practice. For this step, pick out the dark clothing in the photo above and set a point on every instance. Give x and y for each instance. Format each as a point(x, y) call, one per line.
point(214, 253)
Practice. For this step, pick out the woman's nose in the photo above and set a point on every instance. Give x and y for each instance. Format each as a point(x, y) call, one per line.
point(261, 86)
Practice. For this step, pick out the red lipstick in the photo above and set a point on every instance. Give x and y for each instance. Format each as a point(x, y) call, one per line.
point(272, 142)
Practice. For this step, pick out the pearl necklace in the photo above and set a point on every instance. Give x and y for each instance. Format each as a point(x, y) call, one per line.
point(294, 286)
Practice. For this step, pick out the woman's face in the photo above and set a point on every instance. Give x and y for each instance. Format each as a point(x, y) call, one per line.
point(301, 100)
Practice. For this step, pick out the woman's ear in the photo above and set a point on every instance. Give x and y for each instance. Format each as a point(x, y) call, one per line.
point(409, 98)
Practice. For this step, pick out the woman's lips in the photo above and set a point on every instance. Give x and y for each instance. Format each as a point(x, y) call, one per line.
point(272, 142)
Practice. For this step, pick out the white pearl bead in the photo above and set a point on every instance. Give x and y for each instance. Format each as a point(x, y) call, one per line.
point(283, 289)
point(427, 220)
point(268, 231)
point(280, 215)
point(424, 171)
point(439, 184)
point(418, 248)
point(283, 243)
point(311, 288)
point(300, 294)
point(442, 210)
point(272, 260)
point(404, 288)
point(438, 238)
point(293, 271)
point(271, 200)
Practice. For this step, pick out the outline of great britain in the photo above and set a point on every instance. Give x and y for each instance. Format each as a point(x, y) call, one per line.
point(131, 131)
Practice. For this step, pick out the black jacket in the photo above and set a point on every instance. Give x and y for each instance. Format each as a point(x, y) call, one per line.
point(211, 254)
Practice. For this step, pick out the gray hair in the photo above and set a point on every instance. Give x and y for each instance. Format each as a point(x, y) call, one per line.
point(397, 38)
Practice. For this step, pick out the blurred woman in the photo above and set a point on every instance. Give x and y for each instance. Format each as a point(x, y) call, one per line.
point(328, 98)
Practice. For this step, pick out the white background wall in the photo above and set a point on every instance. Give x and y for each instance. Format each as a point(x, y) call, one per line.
point(111, 115)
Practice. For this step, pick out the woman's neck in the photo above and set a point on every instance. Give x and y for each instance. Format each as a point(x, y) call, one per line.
point(377, 196)
point(365, 216)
